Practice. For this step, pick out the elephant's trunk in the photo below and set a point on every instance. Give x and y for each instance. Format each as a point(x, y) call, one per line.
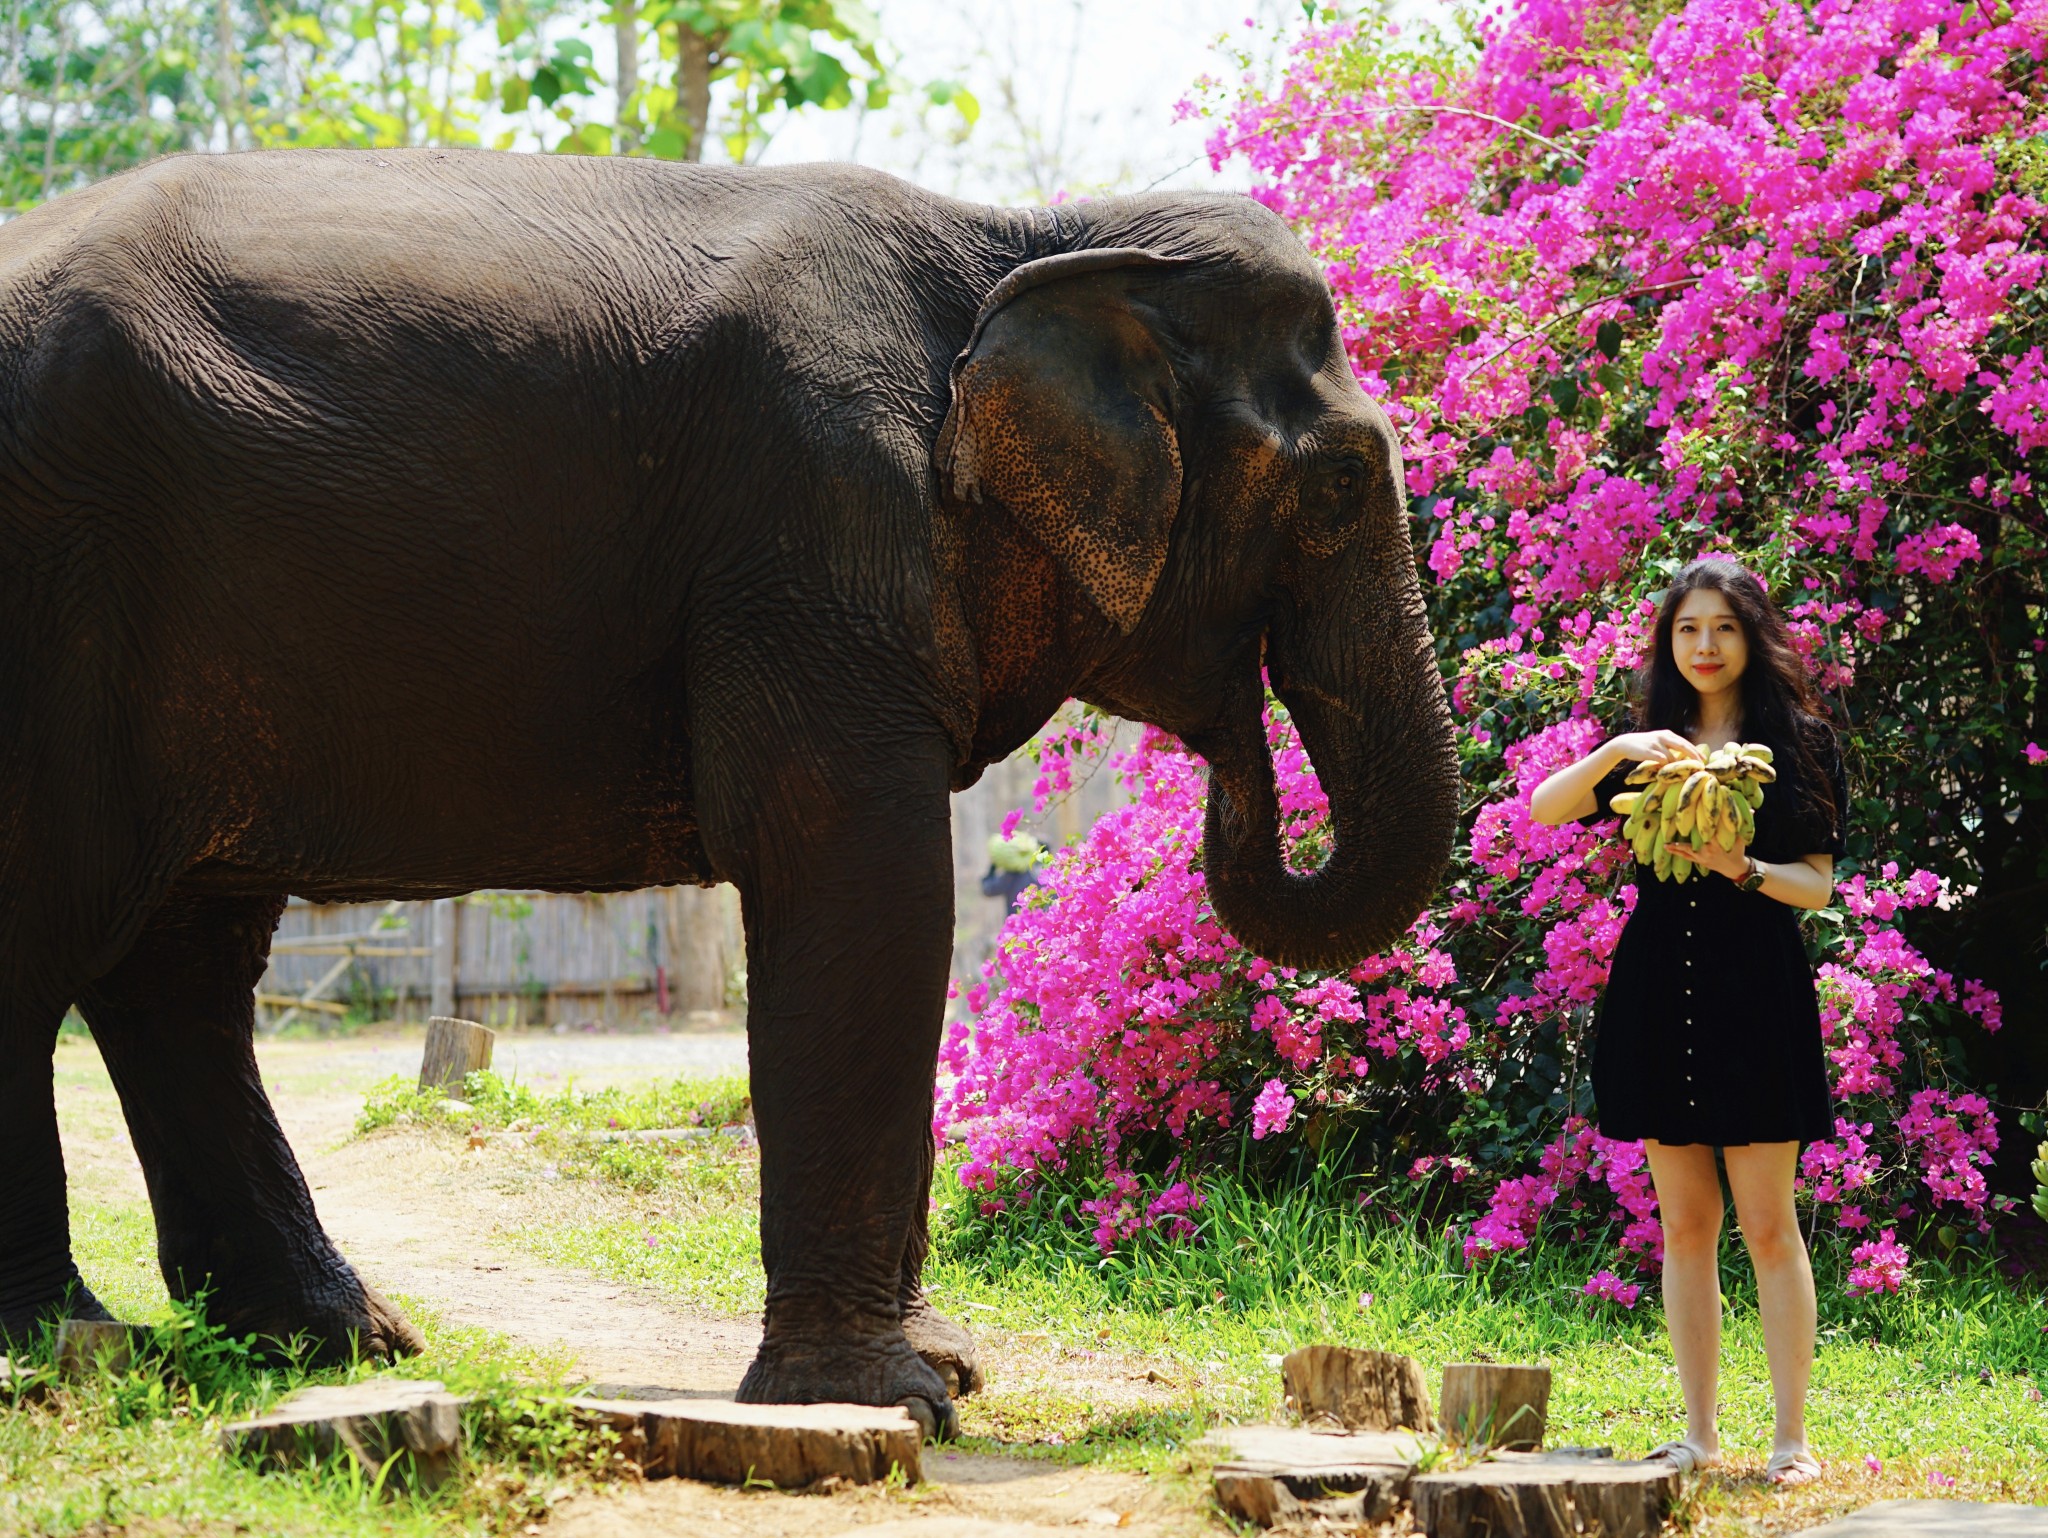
point(1360, 680)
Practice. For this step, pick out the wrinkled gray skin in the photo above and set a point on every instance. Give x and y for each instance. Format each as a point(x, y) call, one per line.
point(398, 524)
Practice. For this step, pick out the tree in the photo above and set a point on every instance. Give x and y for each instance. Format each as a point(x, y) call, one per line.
point(772, 57)
point(94, 87)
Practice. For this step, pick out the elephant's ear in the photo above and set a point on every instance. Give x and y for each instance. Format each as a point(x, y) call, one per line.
point(1063, 413)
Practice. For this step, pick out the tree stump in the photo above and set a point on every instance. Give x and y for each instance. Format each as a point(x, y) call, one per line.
point(87, 1346)
point(1545, 1496)
point(455, 1049)
point(787, 1445)
point(1487, 1405)
point(1275, 1474)
point(409, 1434)
point(1359, 1390)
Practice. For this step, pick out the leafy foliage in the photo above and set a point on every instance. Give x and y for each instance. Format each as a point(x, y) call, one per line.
point(95, 87)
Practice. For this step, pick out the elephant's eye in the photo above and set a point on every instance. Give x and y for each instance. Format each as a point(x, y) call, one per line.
point(1347, 475)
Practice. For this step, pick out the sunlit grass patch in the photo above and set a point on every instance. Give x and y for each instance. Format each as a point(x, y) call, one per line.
point(115, 1248)
point(489, 1100)
point(139, 1448)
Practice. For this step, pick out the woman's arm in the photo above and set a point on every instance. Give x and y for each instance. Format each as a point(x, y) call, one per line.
point(1808, 882)
point(1568, 794)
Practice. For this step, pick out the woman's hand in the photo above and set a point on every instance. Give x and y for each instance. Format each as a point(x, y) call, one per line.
point(1732, 863)
point(1656, 747)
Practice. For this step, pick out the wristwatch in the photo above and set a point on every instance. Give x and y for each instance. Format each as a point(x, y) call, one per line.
point(1755, 878)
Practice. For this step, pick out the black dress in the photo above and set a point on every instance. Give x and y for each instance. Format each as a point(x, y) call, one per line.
point(1709, 1031)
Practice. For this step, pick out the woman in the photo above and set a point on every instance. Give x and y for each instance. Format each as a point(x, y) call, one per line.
point(1709, 1031)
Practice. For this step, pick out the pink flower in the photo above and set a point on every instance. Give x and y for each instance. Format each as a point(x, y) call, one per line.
point(1605, 1284)
point(1880, 1265)
point(1270, 1112)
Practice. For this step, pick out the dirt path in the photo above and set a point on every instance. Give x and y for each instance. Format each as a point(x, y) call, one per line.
point(422, 1217)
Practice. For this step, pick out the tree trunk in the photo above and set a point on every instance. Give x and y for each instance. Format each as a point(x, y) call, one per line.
point(1542, 1496)
point(696, 947)
point(693, 87)
point(1488, 1404)
point(455, 1049)
point(1359, 1390)
point(446, 917)
point(224, 40)
point(626, 32)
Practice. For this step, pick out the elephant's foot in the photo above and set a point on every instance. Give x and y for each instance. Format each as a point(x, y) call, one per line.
point(945, 1345)
point(344, 1322)
point(880, 1371)
point(25, 1323)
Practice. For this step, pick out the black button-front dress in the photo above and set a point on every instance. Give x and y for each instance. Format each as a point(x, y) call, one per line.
point(1709, 1031)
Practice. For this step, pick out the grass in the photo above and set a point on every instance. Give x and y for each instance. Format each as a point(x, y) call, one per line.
point(1939, 1386)
point(491, 1101)
point(138, 1449)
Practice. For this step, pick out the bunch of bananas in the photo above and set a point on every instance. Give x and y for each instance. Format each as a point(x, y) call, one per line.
point(1694, 799)
point(2041, 1181)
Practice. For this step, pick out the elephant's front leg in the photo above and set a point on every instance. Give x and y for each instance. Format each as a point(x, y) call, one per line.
point(942, 1342)
point(849, 909)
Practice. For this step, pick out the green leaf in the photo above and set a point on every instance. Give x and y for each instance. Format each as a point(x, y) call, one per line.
point(547, 85)
point(855, 22)
point(1565, 392)
point(1536, 419)
point(1571, 176)
point(1608, 338)
point(819, 79)
point(666, 144)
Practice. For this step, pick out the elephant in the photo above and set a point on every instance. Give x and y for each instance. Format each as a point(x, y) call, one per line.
point(404, 523)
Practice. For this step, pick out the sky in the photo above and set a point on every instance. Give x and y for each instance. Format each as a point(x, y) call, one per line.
point(1076, 95)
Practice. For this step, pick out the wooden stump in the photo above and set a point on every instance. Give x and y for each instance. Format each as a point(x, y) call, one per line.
point(1545, 1496)
point(787, 1445)
point(1359, 1390)
point(455, 1049)
point(410, 1434)
point(1275, 1474)
point(87, 1346)
point(1486, 1405)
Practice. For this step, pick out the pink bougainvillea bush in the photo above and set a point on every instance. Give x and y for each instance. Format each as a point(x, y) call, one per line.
point(1634, 283)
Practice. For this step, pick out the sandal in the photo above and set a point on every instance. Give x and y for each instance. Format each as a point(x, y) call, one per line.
point(1685, 1457)
point(1793, 1466)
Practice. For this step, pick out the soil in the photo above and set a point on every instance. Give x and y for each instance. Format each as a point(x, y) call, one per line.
point(422, 1216)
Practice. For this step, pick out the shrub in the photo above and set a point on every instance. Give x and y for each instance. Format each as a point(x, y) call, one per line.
point(1634, 284)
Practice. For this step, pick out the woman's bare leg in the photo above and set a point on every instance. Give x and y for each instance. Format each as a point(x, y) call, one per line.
point(1760, 1175)
point(1689, 1204)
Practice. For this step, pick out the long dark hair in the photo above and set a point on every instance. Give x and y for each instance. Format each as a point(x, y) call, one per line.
point(1778, 701)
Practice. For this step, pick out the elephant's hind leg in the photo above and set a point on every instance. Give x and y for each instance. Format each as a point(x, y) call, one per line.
point(38, 1280)
point(175, 1021)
